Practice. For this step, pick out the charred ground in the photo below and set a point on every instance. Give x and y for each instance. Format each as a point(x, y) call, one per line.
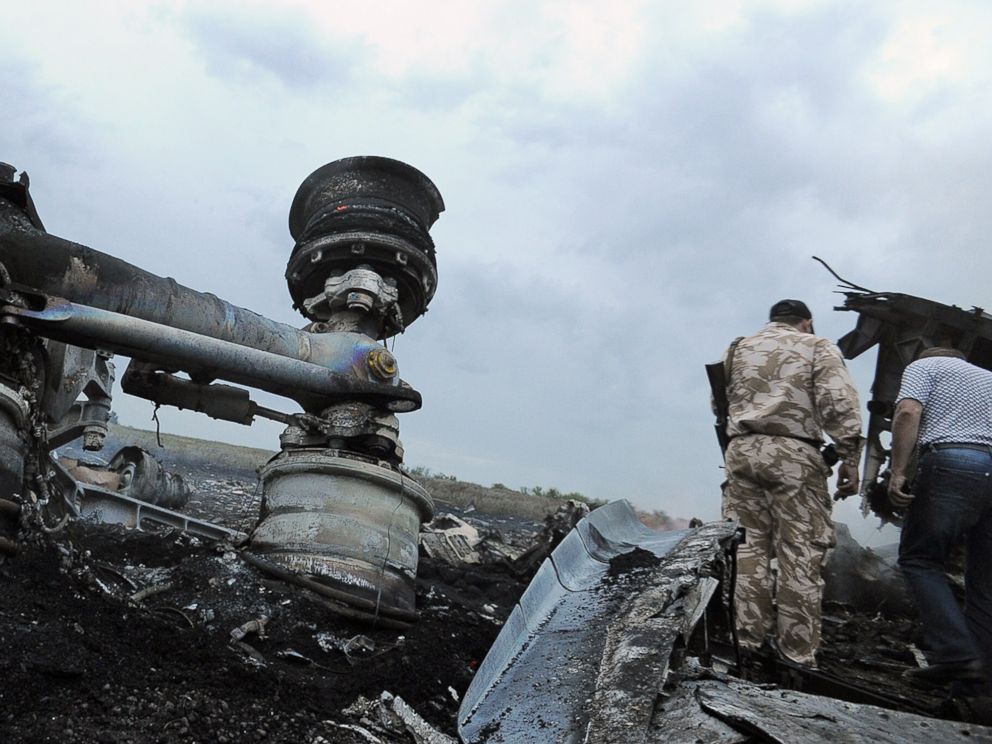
point(86, 661)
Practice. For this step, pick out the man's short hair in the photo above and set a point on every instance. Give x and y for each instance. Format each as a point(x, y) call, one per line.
point(792, 312)
point(942, 351)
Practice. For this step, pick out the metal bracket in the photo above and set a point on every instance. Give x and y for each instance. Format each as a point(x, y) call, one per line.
point(114, 508)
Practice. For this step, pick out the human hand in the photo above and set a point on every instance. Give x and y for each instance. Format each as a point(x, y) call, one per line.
point(899, 494)
point(848, 481)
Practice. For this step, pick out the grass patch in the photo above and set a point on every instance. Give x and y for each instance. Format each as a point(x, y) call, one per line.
point(498, 502)
point(230, 456)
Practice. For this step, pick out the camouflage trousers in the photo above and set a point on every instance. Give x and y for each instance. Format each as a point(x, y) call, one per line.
point(776, 489)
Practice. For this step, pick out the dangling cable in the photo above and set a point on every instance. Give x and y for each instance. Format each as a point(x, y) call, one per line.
point(843, 282)
point(158, 426)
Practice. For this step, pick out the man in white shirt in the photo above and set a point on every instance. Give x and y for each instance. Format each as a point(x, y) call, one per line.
point(944, 408)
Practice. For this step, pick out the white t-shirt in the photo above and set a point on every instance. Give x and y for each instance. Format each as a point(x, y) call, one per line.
point(956, 397)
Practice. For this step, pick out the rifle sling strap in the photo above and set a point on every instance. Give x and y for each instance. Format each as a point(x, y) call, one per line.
point(730, 361)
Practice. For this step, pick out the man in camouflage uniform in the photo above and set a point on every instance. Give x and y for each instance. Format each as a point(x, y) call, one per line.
point(785, 386)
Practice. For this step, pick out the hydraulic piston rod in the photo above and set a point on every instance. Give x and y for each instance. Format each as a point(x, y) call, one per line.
point(311, 385)
point(61, 268)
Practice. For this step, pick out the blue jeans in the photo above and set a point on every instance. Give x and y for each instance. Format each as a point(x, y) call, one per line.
point(953, 503)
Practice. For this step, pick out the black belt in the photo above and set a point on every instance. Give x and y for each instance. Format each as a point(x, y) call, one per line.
point(812, 442)
point(960, 445)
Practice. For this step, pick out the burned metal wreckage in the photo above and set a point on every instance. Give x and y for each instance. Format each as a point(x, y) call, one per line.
point(623, 633)
point(902, 326)
point(338, 507)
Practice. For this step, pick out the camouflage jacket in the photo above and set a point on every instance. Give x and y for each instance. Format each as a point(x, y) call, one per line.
point(788, 383)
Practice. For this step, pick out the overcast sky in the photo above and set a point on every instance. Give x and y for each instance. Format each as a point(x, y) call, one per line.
point(629, 185)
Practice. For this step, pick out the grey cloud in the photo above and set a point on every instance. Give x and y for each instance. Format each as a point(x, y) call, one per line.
point(714, 120)
point(278, 43)
point(43, 123)
point(436, 94)
point(517, 347)
point(703, 174)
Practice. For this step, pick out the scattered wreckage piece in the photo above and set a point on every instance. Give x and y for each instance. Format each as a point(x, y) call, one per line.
point(902, 326)
point(143, 477)
point(87, 501)
point(390, 719)
point(569, 630)
point(556, 526)
point(453, 540)
point(133, 490)
point(450, 539)
point(786, 717)
point(135, 472)
point(421, 731)
point(112, 507)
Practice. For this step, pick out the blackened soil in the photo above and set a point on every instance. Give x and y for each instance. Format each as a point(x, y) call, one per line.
point(874, 652)
point(82, 663)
